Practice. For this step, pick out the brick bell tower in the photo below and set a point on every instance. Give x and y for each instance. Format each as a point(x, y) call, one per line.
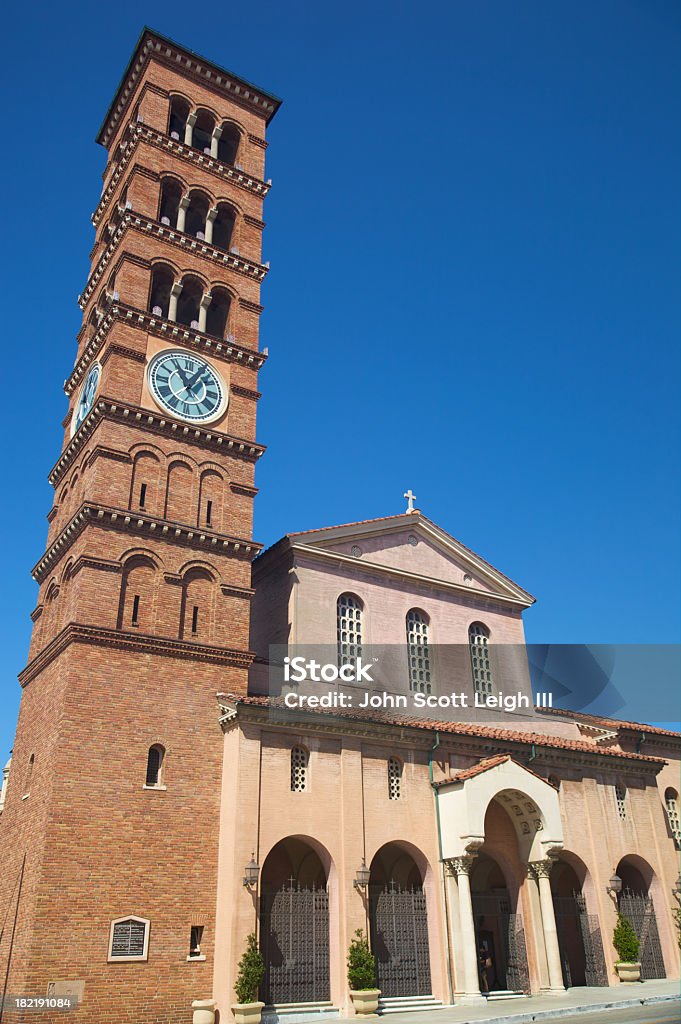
point(109, 833)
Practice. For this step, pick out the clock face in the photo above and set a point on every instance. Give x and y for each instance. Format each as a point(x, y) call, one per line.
point(187, 386)
point(86, 398)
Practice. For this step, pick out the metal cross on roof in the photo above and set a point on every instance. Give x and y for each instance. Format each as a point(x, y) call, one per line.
point(411, 498)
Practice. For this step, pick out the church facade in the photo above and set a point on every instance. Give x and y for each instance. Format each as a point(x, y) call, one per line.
point(162, 802)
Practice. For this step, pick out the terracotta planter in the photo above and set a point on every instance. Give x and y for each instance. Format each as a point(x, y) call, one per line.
point(204, 1011)
point(365, 1001)
point(247, 1013)
point(628, 972)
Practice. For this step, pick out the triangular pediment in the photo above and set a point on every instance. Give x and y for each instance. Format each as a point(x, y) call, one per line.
point(412, 545)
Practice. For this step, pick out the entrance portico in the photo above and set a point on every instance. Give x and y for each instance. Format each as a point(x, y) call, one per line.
point(506, 819)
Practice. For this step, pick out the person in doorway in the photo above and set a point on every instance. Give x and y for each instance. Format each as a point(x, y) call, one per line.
point(484, 967)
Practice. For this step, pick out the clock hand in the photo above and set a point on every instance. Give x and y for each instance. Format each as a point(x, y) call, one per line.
point(196, 376)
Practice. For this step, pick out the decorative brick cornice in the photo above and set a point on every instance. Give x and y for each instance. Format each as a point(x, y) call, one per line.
point(136, 133)
point(231, 591)
point(245, 392)
point(155, 423)
point(143, 642)
point(255, 222)
point(139, 523)
point(125, 351)
point(257, 141)
point(194, 246)
point(152, 46)
point(254, 307)
point(227, 349)
point(238, 488)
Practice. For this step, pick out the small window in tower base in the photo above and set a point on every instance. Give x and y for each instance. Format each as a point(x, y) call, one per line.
point(129, 939)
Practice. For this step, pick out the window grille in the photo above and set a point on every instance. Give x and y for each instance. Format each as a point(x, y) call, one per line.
point(129, 939)
point(621, 800)
point(418, 652)
point(298, 770)
point(394, 779)
point(349, 629)
point(478, 639)
point(671, 800)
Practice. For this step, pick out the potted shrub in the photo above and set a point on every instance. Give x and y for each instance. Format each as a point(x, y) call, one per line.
point(627, 945)
point(249, 978)
point(362, 976)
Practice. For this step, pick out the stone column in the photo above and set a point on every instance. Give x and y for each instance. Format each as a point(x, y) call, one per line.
point(210, 221)
point(541, 870)
point(182, 212)
point(214, 139)
point(461, 867)
point(175, 293)
point(203, 310)
point(189, 129)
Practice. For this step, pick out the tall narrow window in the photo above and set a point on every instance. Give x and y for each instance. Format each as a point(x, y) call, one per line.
point(195, 619)
point(209, 511)
point(478, 640)
point(621, 800)
point(349, 628)
point(154, 765)
point(394, 778)
point(135, 610)
point(418, 652)
point(299, 759)
point(671, 799)
point(195, 938)
point(143, 495)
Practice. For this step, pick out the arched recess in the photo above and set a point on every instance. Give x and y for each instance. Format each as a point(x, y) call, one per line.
point(137, 606)
point(179, 503)
point(197, 608)
point(401, 917)
point(298, 921)
point(177, 121)
point(640, 900)
point(162, 278)
point(197, 212)
point(189, 301)
point(211, 499)
point(579, 933)
point(145, 484)
point(203, 130)
point(223, 227)
point(171, 193)
point(229, 143)
point(217, 314)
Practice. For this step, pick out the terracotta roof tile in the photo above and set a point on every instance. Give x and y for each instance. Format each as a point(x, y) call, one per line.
point(610, 723)
point(454, 728)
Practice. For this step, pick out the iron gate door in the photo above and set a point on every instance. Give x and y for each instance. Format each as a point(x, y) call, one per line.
point(579, 932)
point(638, 908)
point(399, 941)
point(295, 944)
point(494, 911)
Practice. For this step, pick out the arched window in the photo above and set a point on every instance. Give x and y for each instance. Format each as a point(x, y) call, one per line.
point(228, 146)
point(171, 193)
point(394, 778)
point(155, 765)
point(671, 800)
point(195, 217)
point(349, 628)
point(217, 313)
point(189, 302)
point(621, 800)
point(159, 294)
point(203, 131)
point(478, 640)
point(223, 227)
point(179, 112)
point(299, 759)
point(418, 652)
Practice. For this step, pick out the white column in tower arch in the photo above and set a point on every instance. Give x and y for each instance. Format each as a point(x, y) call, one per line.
point(175, 293)
point(203, 310)
point(461, 867)
point(189, 130)
point(182, 212)
point(214, 140)
point(541, 870)
point(210, 222)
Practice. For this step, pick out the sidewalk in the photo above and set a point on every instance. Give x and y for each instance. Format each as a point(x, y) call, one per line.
point(538, 1008)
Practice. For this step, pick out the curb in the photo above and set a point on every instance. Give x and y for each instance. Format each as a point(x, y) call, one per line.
point(567, 1011)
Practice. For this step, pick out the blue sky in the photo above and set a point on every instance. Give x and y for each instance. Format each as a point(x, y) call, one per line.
point(474, 238)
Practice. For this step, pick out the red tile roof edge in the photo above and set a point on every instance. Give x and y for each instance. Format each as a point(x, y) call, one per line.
point(455, 728)
point(609, 723)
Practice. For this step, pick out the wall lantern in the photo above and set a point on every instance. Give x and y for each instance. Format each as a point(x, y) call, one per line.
point(362, 876)
point(614, 886)
point(251, 873)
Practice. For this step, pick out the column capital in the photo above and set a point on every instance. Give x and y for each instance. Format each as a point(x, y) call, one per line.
point(459, 865)
point(217, 131)
point(212, 213)
point(206, 300)
point(191, 118)
point(184, 202)
point(541, 868)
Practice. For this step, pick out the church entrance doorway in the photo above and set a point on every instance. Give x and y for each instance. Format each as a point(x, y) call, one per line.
point(294, 925)
point(636, 903)
point(399, 924)
point(579, 933)
point(499, 933)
